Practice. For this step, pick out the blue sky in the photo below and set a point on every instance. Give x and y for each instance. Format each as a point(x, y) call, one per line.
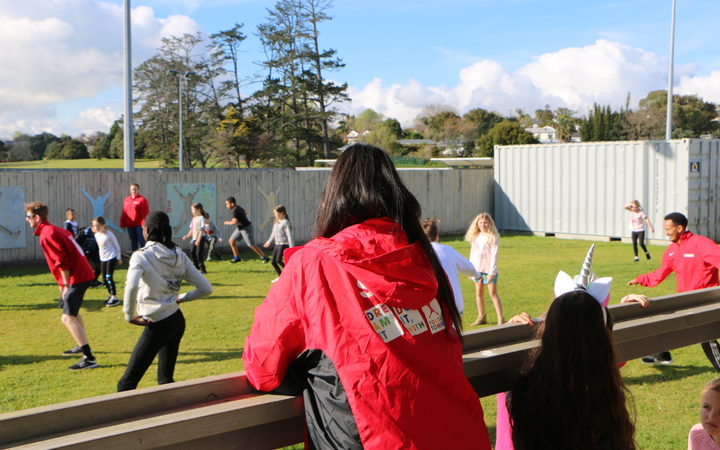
point(62, 68)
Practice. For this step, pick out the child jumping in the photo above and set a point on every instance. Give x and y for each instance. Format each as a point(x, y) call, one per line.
point(282, 235)
point(110, 256)
point(637, 227)
point(485, 241)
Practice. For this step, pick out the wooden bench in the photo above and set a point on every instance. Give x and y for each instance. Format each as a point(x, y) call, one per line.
point(223, 412)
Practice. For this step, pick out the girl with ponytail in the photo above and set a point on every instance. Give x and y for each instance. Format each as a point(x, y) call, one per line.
point(152, 296)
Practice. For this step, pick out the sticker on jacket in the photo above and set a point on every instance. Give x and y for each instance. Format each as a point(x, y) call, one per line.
point(412, 320)
point(384, 322)
point(434, 316)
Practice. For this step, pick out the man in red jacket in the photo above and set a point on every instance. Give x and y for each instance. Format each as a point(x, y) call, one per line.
point(73, 273)
point(695, 260)
point(135, 209)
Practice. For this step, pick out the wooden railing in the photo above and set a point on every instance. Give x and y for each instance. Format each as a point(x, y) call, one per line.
point(223, 412)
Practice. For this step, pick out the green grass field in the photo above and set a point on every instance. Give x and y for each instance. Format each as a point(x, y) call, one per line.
point(90, 163)
point(33, 373)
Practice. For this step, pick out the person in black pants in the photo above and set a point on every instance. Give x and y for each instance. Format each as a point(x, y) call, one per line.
point(282, 235)
point(151, 300)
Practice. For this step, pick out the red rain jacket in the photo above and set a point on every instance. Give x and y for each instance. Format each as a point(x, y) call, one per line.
point(135, 209)
point(63, 253)
point(695, 260)
point(365, 297)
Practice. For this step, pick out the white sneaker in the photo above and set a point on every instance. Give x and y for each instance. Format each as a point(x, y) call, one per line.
point(272, 281)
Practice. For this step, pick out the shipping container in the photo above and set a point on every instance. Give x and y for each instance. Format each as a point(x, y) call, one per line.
point(580, 189)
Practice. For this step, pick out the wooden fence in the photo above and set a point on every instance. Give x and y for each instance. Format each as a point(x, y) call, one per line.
point(223, 412)
point(454, 196)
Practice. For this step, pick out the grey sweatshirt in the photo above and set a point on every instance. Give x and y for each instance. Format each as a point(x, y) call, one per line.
point(281, 234)
point(154, 277)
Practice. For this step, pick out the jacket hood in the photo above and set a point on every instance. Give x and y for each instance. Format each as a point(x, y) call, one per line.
point(377, 253)
point(163, 255)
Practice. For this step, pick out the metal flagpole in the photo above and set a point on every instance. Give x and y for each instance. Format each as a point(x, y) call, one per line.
point(668, 120)
point(128, 132)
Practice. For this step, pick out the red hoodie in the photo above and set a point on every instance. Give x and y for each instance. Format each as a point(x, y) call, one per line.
point(695, 260)
point(63, 253)
point(135, 209)
point(366, 298)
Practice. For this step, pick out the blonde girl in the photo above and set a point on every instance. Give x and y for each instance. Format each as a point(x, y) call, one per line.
point(282, 235)
point(637, 227)
point(197, 225)
point(485, 240)
point(110, 256)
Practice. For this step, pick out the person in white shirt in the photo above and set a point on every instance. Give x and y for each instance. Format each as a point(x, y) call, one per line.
point(152, 298)
point(451, 261)
point(282, 235)
point(485, 242)
point(110, 256)
point(637, 227)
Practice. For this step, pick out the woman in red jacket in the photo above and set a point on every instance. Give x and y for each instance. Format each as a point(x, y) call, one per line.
point(362, 321)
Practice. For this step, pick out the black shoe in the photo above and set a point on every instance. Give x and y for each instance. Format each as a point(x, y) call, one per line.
point(265, 259)
point(73, 351)
point(84, 363)
point(112, 301)
point(235, 260)
point(655, 360)
point(202, 270)
point(647, 255)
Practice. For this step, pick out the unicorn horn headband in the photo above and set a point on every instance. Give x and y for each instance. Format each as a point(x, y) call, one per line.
point(599, 288)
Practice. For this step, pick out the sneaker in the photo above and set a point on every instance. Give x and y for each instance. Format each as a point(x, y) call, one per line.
point(235, 260)
point(265, 259)
point(73, 351)
point(273, 281)
point(636, 259)
point(655, 360)
point(202, 270)
point(647, 255)
point(112, 301)
point(84, 363)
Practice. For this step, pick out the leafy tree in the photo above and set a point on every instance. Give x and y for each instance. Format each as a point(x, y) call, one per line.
point(507, 132)
point(481, 121)
point(440, 123)
point(365, 121)
point(226, 48)
point(604, 124)
point(544, 117)
point(20, 148)
point(243, 139)
point(40, 142)
point(394, 126)
point(564, 126)
point(67, 148)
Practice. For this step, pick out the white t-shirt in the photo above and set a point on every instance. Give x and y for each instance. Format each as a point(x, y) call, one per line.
point(483, 255)
point(453, 262)
point(108, 245)
point(637, 221)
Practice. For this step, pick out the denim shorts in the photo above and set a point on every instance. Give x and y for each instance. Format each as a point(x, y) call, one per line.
point(484, 278)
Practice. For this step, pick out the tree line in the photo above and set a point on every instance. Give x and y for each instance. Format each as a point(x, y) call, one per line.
point(292, 118)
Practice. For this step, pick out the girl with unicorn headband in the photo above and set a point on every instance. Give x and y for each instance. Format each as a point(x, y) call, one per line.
point(570, 394)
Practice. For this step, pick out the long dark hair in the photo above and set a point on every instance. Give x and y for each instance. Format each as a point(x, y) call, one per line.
point(365, 185)
point(570, 394)
point(157, 225)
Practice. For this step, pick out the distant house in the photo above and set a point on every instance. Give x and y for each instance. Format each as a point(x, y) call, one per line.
point(546, 135)
point(352, 137)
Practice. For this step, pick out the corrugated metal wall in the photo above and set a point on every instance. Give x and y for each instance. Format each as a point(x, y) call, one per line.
point(454, 196)
point(581, 188)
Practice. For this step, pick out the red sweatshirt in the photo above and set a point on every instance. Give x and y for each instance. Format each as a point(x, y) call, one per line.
point(135, 209)
point(366, 299)
point(63, 253)
point(694, 259)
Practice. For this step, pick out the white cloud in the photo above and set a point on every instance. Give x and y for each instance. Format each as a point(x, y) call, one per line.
point(707, 87)
point(64, 50)
point(604, 73)
point(95, 119)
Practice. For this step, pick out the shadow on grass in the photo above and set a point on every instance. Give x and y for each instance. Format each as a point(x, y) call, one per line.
point(35, 284)
point(50, 304)
point(233, 297)
point(15, 360)
point(208, 355)
point(669, 373)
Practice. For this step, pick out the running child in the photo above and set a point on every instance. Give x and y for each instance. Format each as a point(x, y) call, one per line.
point(197, 233)
point(485, 241)
point(71, 222)
point(110, 256)
point(282, 235)
point(706, 434)
point(637, 227)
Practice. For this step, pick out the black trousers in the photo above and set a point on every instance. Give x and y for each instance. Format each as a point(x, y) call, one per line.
point(108, 268)
point(158, 338)
point(277, 258)
point(197, 254)
point(638, 236)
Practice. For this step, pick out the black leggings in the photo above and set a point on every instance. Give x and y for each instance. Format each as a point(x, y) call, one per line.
point(107, 268)
point(638, 236)
point(277, 258)
point(159, 338)
point(197, 253)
